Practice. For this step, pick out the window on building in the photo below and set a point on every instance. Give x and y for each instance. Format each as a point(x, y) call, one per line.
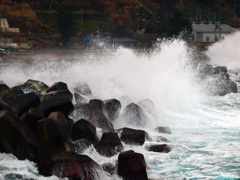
point(216, 38)
point(207, 39)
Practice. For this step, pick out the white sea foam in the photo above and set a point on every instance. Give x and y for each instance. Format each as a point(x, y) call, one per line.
point(205, 132)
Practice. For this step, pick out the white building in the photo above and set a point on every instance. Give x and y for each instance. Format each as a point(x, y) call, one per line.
point(210, 33)
point(4, 26)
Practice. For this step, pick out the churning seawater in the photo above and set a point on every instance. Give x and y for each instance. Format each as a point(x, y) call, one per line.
point(205, 139)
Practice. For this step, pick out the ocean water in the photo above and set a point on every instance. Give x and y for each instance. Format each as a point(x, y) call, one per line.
point(205, 139)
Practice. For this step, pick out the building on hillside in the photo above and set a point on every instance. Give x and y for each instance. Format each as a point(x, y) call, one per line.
point(4, 26)
point(209, 33)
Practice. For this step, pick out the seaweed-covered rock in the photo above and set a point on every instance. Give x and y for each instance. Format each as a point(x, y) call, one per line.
point(57, 94)
point(58, 86)
point(26, 88)
point(40, 86)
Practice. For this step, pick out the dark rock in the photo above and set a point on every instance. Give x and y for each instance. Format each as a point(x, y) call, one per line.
point(97, 117)
point(161, 139)
point(4, 87)
point(23, 103)
point(31, 118)
point(110, 168)
point(132, 166)
point(134, 115)
point(162, 148)
point(83, 129)
point(59, 86)
point(96, 105)
point(80, 99)
point(233, 87)
point(132, 136)
point(16, 137)
point(57, 94)
point(62, 123)
point(83, 89)
point(4, 106)
point(163, 129)
point(147, 105)
point(81, 145)
point(26, 88)
point(215, 80)
point(40, 86)
point(110, 144)
point(220, 69)
point(81, 111)
point(63, 105)
point(99, 120)
point(52, 143)
point(113, 108)
point(70, 122)
point(9, 96)
point(18, 91)
point(78, 167)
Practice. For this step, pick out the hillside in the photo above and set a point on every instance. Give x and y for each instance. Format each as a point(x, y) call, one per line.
point(68, 20)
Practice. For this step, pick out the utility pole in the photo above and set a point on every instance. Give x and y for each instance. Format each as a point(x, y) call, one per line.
point(198, 14)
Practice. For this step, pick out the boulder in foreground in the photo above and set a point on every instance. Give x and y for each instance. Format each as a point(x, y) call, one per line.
point(132, 136)
point(16, 137)
point(132, 166)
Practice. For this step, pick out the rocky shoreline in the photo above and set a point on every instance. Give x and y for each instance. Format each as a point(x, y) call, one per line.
point(35, 124)
point(52, 127)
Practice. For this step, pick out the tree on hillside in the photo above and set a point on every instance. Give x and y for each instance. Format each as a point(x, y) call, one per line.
point(66, 24)
point(209, 3)
point(179, 24)
point(121, 12)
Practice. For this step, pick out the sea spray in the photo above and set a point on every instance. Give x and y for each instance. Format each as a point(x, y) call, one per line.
point(205, 132)
point(226, 52)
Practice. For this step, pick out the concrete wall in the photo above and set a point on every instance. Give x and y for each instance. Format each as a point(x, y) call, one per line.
point(208, 37)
